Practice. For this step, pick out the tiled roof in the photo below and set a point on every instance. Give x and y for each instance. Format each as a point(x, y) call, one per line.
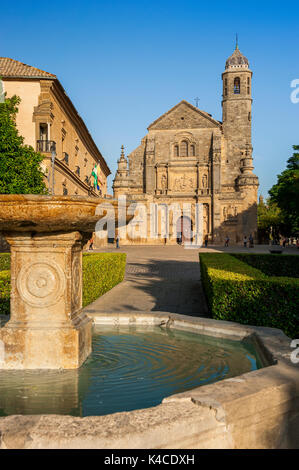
point(15, 69)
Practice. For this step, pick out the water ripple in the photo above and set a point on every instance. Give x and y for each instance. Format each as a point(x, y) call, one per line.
point(129, 368)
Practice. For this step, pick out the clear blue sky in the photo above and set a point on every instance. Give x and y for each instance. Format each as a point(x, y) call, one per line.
point(124, 63)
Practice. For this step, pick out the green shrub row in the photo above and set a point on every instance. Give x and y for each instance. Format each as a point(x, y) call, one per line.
point(238, 292)
point(272, 265)
point(4, 292)
point(100, 272)
point(4, 261)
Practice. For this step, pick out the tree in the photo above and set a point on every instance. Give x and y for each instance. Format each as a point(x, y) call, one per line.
point(270, 221)
point(285, 193)
point(20, 170)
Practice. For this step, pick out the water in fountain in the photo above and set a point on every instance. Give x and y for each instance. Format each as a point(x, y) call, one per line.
point(129, 368)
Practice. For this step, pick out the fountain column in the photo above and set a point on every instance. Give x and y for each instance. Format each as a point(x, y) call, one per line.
point(47, 329)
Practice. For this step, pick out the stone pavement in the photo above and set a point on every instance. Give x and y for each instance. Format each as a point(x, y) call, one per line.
point(162, 278)
point(157, 279)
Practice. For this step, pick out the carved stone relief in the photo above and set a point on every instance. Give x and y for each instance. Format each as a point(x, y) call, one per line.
point(41, 283)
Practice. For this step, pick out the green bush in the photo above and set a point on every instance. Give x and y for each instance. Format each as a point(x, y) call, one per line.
point(4, 292)
point(101, 272)
point(272, 265)
point(239, 292)
point(4, 261)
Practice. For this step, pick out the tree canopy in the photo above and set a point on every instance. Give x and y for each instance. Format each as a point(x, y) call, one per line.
point(270, 221)
point(20, 170)
point(285, 193)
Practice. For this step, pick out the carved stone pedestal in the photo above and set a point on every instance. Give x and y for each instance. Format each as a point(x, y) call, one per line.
point(47, 329)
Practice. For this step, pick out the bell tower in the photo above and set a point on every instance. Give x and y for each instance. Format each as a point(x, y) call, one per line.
point(236, 105)
point(236, 124)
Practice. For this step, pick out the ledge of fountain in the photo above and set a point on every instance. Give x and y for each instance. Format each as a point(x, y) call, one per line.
point(35, 213)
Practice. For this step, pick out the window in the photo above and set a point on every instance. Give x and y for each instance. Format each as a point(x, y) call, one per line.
point(184, 148)
point(176, 150)
point(248, 90)
point(65, 191)
point(237, 86)
point(43, 132)
point(192, 150)
point(225, 91)
point(65, 158)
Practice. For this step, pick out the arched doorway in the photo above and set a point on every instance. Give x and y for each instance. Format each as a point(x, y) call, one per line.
point(184, 230)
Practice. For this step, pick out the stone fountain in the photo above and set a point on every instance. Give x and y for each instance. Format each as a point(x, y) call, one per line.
point(47, 328)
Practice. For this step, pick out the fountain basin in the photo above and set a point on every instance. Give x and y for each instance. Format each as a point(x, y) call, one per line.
point(257, 409)
point(34, 213)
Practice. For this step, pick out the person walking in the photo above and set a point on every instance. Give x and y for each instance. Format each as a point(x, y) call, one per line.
point(91, 243)
point(245, 241)
point(226, 241)
point(250, 241)
point(117, 241)
point(206, 240)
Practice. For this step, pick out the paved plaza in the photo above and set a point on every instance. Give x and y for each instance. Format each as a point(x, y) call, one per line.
point(163, 278)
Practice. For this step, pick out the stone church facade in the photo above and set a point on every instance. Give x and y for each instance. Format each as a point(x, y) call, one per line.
point(189, 157)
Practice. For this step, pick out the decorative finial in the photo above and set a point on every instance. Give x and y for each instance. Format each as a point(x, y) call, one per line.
point(122, 151)
point(237, 47)
point(196, 101)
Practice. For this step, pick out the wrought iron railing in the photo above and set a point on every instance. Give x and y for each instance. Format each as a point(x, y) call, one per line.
point(46, 146)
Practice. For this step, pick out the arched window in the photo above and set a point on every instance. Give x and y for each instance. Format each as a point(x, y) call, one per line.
point(192, 149)
point(184, 148)
point(176, 151)
point(237, 86)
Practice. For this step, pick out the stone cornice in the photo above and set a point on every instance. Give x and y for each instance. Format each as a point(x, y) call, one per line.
point(79, 124)
point(67, 171)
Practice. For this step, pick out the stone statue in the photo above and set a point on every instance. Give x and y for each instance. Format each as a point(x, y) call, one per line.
point(163, 182)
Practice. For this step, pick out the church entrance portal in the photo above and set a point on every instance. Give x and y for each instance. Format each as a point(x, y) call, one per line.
point(184, 230)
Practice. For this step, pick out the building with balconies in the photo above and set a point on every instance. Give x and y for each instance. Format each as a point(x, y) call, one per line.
point(50, 123)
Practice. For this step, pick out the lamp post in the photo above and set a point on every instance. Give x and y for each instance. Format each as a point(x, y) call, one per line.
point(53, 156)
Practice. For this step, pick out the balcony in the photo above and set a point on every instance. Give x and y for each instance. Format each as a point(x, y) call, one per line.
point(45, 146)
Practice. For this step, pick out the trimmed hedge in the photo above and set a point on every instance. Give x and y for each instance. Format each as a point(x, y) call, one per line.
point(100, 272)
point(239, 292)
point(272, 265)
point(4, 261)
point(4, 292)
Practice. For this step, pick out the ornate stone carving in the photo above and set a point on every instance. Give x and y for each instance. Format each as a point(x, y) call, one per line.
point(163, 182)
point(41, 283)
point(184, 183)
point(204, 181)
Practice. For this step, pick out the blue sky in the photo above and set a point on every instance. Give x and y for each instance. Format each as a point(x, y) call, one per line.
point(124, 63)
